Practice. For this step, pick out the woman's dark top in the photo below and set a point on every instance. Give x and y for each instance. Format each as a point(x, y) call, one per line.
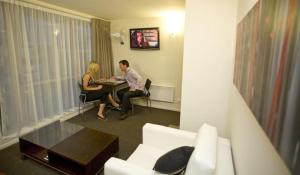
point(101, 94)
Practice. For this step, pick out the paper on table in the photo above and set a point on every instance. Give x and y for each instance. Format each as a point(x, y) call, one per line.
point(110, 81)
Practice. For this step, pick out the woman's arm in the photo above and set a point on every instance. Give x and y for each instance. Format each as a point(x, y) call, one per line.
point(86, 86)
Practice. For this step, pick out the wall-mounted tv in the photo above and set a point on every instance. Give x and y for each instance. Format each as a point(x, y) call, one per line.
point(144, 38)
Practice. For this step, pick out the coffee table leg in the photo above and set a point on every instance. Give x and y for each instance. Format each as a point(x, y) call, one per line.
point(100, 171)
point(23, 157)
point(117, 154)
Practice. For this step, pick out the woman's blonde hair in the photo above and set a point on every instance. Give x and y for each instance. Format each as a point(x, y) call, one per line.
point(93, 67)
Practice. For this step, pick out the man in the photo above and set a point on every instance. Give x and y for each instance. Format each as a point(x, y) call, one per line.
point(135, 89)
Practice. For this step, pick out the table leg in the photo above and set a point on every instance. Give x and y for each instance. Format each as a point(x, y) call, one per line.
point(1, 127)
point(114, 93)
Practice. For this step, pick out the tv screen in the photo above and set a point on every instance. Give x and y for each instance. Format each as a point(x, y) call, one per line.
point(144, 38)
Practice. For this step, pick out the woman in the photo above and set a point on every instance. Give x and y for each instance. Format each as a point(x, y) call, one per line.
point(96, 91)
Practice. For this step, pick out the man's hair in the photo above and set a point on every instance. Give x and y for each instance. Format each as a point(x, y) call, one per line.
point(124, 62)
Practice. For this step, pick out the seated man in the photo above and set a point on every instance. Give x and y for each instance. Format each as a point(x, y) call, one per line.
point(135, 89)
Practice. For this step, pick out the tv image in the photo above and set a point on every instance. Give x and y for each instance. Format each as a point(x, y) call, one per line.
point(144, 38)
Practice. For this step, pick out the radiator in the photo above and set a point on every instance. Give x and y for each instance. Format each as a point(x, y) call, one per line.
point(162, 93)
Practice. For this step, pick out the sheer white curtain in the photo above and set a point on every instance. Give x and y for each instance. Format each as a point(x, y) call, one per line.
point(42, 56)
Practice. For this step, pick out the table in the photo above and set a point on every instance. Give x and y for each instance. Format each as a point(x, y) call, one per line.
point(1, 127)
point(69, 148)
point(114, 84)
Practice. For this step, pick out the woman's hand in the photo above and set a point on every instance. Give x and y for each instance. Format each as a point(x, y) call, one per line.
point(100, 80)
point(99, 87)
point(132, 89)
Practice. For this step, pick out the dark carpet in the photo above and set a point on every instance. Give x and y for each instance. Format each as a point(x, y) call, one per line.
point(128, 130)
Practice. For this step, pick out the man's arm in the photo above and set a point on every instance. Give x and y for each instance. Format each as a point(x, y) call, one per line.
point(122, 77)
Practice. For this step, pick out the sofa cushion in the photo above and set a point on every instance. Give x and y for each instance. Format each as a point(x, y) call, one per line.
point(174, 161)
point(203, 158)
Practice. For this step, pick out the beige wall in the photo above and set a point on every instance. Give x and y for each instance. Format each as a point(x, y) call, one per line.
point(163, 67)
point(56, 9)
point(253, 152)
point(209, 44)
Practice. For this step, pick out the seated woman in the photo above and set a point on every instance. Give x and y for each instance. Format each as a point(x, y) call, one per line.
point(96, 91)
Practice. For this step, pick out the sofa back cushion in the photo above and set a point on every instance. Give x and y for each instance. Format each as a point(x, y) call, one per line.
point(203, 159)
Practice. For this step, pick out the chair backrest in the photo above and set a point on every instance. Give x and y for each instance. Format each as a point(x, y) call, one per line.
point(147, 87)
point(80, 85)
point(148, 84)
point(83, 93)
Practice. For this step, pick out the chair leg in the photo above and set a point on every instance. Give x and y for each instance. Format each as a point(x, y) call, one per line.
point(79, 105)
point(147, 102)
point(132, 108)
point(108, 109)
point(150, 106)
point(83, 112)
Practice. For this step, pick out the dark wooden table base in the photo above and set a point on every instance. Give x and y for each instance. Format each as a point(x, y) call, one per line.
point(79, 151)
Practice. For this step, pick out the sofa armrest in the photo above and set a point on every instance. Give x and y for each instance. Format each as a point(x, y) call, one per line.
point(115, 166)
point(167, 138)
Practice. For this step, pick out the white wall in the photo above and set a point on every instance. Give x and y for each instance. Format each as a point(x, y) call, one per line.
point(253, 152)
point(243, 8)
point(163, 67)
point(209, 46)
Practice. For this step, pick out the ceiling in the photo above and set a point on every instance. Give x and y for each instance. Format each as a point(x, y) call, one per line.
point(121, 9)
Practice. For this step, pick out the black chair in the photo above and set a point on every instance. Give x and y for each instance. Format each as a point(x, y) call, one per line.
point(145, 96)
point(84, 101)
point(82, 98)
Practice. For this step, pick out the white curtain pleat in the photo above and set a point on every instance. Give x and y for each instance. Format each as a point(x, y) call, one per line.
point(42, 56)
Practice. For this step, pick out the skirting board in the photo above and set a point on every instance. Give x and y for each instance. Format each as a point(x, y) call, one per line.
point(160, 105)
point(15, 139)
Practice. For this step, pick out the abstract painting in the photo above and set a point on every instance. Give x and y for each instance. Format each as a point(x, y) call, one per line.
point(267, 73)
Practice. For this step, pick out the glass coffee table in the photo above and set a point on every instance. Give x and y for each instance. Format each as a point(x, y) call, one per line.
point(69, 148)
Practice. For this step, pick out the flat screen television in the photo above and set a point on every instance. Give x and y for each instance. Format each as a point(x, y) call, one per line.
point(144, 38)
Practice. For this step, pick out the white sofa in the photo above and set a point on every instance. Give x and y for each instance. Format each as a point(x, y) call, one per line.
point(211, 156)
